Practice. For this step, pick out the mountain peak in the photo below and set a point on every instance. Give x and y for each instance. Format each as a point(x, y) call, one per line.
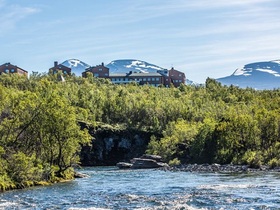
point(76, 66)
point(127, 65)
point(259, 75)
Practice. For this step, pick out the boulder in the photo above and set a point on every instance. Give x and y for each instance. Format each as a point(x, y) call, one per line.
point(152, 157)
point(124, 165)
point(80, 175)
point(140, 163)
point(144, 162)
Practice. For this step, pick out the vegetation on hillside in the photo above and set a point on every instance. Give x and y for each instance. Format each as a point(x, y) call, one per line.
point(40, 138)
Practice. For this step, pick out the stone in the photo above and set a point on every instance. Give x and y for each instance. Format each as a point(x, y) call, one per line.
point(140, 163)
point(80, 175)
point(152, 157)
point(124, 165)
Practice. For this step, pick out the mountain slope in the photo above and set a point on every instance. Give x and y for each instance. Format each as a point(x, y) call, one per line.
point(260, 75)
point(125, 66)
point(76, 65)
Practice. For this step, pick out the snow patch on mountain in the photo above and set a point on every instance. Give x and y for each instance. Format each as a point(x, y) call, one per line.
point(259, 75)
point(127, 65)
point(242, 71)
point(77, 66)
point(275, 73)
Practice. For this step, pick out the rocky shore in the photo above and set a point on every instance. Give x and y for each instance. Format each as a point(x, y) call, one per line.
point(228, 168)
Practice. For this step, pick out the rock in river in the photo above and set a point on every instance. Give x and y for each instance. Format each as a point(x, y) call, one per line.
point(144, 162)
point(124, 165)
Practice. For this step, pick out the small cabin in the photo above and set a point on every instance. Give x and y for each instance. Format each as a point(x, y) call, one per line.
point(8, 68)
point(60, 68)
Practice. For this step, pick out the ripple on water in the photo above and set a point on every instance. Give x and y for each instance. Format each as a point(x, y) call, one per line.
point(107, 188)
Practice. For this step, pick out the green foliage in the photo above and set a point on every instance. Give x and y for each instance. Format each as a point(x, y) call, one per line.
point(40, 136)
point(174, 162)
point(176, 142)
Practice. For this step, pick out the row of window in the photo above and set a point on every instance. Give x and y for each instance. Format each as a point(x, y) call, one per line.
point(97, 74)
point(178, 80)
point(180, 75)
point(64, 72)
point(136, 79)
point(9, 71)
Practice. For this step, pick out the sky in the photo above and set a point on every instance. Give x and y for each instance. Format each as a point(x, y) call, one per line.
point(202, 38)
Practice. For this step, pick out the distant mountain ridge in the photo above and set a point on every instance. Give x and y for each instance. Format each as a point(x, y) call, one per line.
point(127, 65)
point(259, 75)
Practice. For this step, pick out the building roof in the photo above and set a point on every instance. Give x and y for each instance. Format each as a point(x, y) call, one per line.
point(13, 66)
point(136, 75)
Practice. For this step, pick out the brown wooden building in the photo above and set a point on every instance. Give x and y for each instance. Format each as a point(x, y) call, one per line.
point(8, 68)
point(97, 71)
point(176, 77)
point(60, 68)
point(161, 77)
point(154, 79)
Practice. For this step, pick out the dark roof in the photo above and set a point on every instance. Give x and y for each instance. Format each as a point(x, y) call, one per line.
point(136, 75)
point(8, 63)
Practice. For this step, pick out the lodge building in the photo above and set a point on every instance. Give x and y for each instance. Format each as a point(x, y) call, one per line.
point(97, 71)
point(161, 77)
point(8, 68)
point(60, 68)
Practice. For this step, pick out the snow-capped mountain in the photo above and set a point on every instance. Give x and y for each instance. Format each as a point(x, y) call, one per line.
point(125, 66)
point(260, 75)
point(76, 65)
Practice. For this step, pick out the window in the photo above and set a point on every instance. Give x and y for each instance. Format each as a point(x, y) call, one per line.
point(106, 74)
point(157, 79)
point(65, 72)
point(140, 79)
point(180, 80)
point(144, 79)
point(149, 79)
point(153, 79)
point(180, 75)
point(99, 69)
point(113, 79)
point(96, 74)
point(7, 70)
point(12, 70)
point(166, 79)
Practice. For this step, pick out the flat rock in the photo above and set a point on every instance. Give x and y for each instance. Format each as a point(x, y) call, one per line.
point(140, 163)
point(124, 165)
point(152, 157)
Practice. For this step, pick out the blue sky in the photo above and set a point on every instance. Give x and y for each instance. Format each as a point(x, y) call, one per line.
point(203, 38)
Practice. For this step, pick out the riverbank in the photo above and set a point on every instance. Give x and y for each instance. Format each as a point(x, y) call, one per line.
point(217, 168)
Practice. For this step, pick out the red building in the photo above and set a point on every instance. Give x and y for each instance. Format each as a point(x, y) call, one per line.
point(60, 68)
point(8, 68)
point(176, 77)
point(97, 71)
point(154, 79)
point(161, 77)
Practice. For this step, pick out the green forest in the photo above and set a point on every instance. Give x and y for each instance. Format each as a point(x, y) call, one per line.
point(40, 136)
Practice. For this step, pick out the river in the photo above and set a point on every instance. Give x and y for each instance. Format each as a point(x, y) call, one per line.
point(110, 188)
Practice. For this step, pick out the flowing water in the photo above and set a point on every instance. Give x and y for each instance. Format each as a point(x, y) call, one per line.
point(110, 188)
